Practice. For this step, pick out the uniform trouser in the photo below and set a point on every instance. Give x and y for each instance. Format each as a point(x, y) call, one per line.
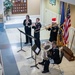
point(28, 39)
point(52, 38)
point(37, 43)
point(46, 65)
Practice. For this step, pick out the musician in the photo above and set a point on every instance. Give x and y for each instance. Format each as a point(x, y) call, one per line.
point(36, 28)
point(54, 30)
point(53, 54)
point(27, 27)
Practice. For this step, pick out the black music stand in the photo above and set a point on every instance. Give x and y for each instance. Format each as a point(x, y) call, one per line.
point(21, 42)
point(31, 54)
point(35, 63)
point(36, 51)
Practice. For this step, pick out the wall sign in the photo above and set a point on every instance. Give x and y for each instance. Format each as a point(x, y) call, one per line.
point(19, 6)
point(53, 2)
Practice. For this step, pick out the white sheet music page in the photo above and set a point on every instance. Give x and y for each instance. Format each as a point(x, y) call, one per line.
point(37, 50)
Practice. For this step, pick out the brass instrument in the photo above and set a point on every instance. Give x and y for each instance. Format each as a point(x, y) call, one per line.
point(46, 47)
point(60, 40)
point(50, 26)
point(47, 27)
point(27, 22)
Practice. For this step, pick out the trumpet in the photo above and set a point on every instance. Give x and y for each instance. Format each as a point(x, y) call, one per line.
point(27, 21)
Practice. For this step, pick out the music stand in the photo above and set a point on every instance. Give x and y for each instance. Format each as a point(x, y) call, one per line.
point(21, 42)
point(30, 37)
point(36, 51)
point(35, 63)
point(31, 54)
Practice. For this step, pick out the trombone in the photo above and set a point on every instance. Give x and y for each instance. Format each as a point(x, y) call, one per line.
point(47, 27)
point(50, 26)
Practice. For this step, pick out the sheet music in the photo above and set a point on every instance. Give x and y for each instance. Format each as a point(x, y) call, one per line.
point(37, 50)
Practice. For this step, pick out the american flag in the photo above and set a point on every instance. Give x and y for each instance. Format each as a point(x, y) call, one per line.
point(66, 26)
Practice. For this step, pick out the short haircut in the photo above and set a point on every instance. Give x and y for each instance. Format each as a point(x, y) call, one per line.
point(28, 16)
point(54, 42)
point(38, 19)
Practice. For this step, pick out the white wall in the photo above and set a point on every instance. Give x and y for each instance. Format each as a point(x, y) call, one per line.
point(71, 34)
point(33, 7)
point(1, 6)
point(47, 12)
point(49, 15)
point(42, 10)
point(69, 1)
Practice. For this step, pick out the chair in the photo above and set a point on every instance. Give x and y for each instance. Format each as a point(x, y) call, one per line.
point(61, 57)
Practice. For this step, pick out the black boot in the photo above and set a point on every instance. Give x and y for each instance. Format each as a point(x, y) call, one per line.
point(45, 71)
point(46, 66)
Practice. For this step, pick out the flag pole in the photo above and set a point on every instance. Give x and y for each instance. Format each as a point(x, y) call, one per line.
point(59, 13)
point(61, 21)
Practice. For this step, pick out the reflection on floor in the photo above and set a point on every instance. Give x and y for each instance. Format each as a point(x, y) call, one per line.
point(22, 63)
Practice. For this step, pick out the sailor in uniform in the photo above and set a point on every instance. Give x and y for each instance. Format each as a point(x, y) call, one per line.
point(27, 27)
point(36, 28)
